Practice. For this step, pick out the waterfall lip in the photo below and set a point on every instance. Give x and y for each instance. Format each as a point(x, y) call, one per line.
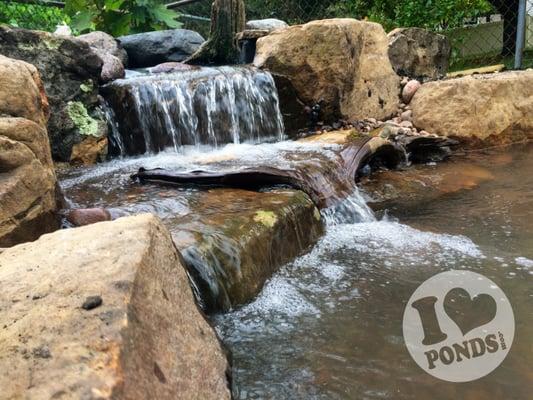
point(196, 73)
point(328, 183)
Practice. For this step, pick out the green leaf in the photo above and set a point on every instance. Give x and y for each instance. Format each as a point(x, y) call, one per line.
point(120, 24)
point(113, 5)
point(83, 21)
point(164, 15)
point(74, 6)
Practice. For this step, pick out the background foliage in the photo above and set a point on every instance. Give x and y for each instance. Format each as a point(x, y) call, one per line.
point(117, 17)
point(32, 16)
point(120, 17)
point(433, 14)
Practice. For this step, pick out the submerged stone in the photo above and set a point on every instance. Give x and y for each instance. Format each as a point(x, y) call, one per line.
point(406, 189)
point(241, 238)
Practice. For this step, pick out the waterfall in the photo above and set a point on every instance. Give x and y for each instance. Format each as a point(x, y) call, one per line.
point(354, 209)
point(210, 106)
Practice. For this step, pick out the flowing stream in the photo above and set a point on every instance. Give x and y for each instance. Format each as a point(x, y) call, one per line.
point(329, 325)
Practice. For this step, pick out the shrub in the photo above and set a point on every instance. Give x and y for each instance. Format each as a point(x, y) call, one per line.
point(32, 16)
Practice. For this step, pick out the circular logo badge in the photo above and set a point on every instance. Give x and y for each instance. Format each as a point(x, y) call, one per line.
point(458, 326)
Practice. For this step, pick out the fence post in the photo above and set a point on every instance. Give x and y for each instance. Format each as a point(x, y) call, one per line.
point(520, 34)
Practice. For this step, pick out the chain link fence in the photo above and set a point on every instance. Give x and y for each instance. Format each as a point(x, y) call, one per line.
point(492, 39)
point(482, 32)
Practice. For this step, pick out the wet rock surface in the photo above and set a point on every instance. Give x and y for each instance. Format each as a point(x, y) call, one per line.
point(193, 106)
point(152, 48)
point(419, 53)
point(70, 71)
point(88, 216)
point(343, 62)
point(494, 108)
point(115, 318)
point(241, 238)
point(28, 188)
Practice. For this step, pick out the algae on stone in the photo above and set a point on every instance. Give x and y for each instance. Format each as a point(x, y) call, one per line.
point(86, 125)
point(267, 218)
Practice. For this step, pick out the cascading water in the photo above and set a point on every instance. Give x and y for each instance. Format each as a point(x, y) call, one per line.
point(209, 106)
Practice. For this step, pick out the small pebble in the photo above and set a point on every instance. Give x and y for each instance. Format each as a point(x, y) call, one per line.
point(92, 302)
point(41, 352)
point(407, 115)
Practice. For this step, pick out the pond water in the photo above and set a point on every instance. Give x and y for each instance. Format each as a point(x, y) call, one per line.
point(329, 325)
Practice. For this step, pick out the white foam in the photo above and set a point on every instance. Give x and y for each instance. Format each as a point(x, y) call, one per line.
point(280, 297)
point(524, 262)
point(204, 157)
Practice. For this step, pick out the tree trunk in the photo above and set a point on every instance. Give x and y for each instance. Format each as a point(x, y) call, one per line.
point(227, 19)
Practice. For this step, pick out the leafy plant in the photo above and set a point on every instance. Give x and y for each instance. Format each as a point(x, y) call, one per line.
point(431, 14)
point(120, 17)
point(31, 16)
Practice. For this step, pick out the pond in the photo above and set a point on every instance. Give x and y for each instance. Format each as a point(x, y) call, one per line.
point(329, 325)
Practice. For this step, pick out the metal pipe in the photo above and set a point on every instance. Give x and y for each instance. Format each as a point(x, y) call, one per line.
point(181, 3)
point(520, 34)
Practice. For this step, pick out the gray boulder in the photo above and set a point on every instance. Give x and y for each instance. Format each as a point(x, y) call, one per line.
point(110, 51)
point(418, 53)
point(153, 48)
point(70, 70)
point(269, 24)
point(106, 43)
point(112, 68)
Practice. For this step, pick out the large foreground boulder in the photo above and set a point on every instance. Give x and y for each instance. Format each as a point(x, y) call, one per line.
point(152, 48)
point(343, 62)
point(70, 70)
point(484, 107)
point(105, 312)
point(419, 53)
point(28, 197)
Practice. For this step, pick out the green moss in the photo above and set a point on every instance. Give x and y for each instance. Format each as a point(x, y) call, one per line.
point(87, 87)
point(78, 114)
point(52, 43)
point(353, 136)
point(267, 218)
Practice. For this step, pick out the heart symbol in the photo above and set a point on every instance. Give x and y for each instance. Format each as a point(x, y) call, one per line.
point(469, 313)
